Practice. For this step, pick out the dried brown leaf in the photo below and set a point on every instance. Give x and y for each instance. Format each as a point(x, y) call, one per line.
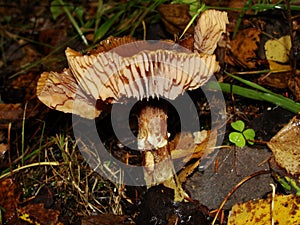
point(244, 48)
point(286, 146)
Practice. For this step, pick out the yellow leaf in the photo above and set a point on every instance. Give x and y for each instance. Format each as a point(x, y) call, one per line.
point(277, 66)
point(278, 49)
point(286, 211)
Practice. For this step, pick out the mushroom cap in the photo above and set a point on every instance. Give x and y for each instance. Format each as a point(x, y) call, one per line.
point(208, 31)
point(141, 72)
point(138, 69)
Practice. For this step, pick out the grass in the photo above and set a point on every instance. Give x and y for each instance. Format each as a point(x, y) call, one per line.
point(116, 18)
point(257, 93)
point(58, 165)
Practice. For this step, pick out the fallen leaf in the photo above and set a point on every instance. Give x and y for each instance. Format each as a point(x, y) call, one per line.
point(230, 166)
point(286, 211)
point(286, 146)
point(10, 112)
point(175, 17)
point(104, 219)
point(189, 148)
point(294, 86)
point(3, 149)
point(38, 215)
point(184, 148)
point(277, 80)
point(278, 66)
point(243, 48)
point(8, 200)
point(278, 49)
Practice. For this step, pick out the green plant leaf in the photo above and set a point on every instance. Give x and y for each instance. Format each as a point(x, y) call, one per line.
point(237, 138)
point(79, 11)
point(249, 134)
point(106, 26)
point(56, 9)
point(268, 96)
point(238, 125)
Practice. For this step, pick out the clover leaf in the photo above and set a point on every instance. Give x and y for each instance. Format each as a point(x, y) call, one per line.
point(240, 137)
point(237, 138)
point(238, 125)
point(249, 134)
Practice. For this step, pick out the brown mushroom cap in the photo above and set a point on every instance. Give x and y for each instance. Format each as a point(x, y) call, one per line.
point(139, 69)
point(110, 77)
point(144, 74)
point(59, 90)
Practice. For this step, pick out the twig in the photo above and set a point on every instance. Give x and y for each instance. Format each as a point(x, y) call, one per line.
point(272, 203)
point(23, 133)
point(293, 50)
point(235, 188)
point(30, 165)
point(8, 146)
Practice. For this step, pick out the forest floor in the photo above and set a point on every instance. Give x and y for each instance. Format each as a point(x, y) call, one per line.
point(46, 178)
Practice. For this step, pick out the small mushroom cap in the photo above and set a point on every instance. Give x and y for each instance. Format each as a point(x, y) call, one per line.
point(208, 31)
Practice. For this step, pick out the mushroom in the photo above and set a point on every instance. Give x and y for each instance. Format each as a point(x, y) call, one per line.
point(134, 69)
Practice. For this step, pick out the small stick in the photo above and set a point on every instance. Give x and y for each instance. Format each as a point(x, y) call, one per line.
point(235, 188)
point(272, 204)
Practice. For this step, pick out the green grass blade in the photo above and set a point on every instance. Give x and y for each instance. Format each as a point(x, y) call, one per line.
point(201, 9)
point(99, 14)
point(106, 26)
point(249, 83)
point(281, 101)
point(148, 9)
point(238, 22)
point(73, 21)
point(258, 87)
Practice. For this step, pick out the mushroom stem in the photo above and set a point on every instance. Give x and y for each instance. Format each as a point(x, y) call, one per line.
point(153, 141)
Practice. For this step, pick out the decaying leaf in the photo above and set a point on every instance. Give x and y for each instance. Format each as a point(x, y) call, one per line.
point(294, 86)
point(3, 149)
point(278, 49)
point(244, 47)
point(175, 17)
point(8, 199)
point(286, 146)
point(286, 211)
point(10, 112)
point(186, 147)
point(278, 79)
point(38, 215)
point(104, 219)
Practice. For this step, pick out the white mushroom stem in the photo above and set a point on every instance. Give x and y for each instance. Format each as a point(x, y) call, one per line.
point(153, 140)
